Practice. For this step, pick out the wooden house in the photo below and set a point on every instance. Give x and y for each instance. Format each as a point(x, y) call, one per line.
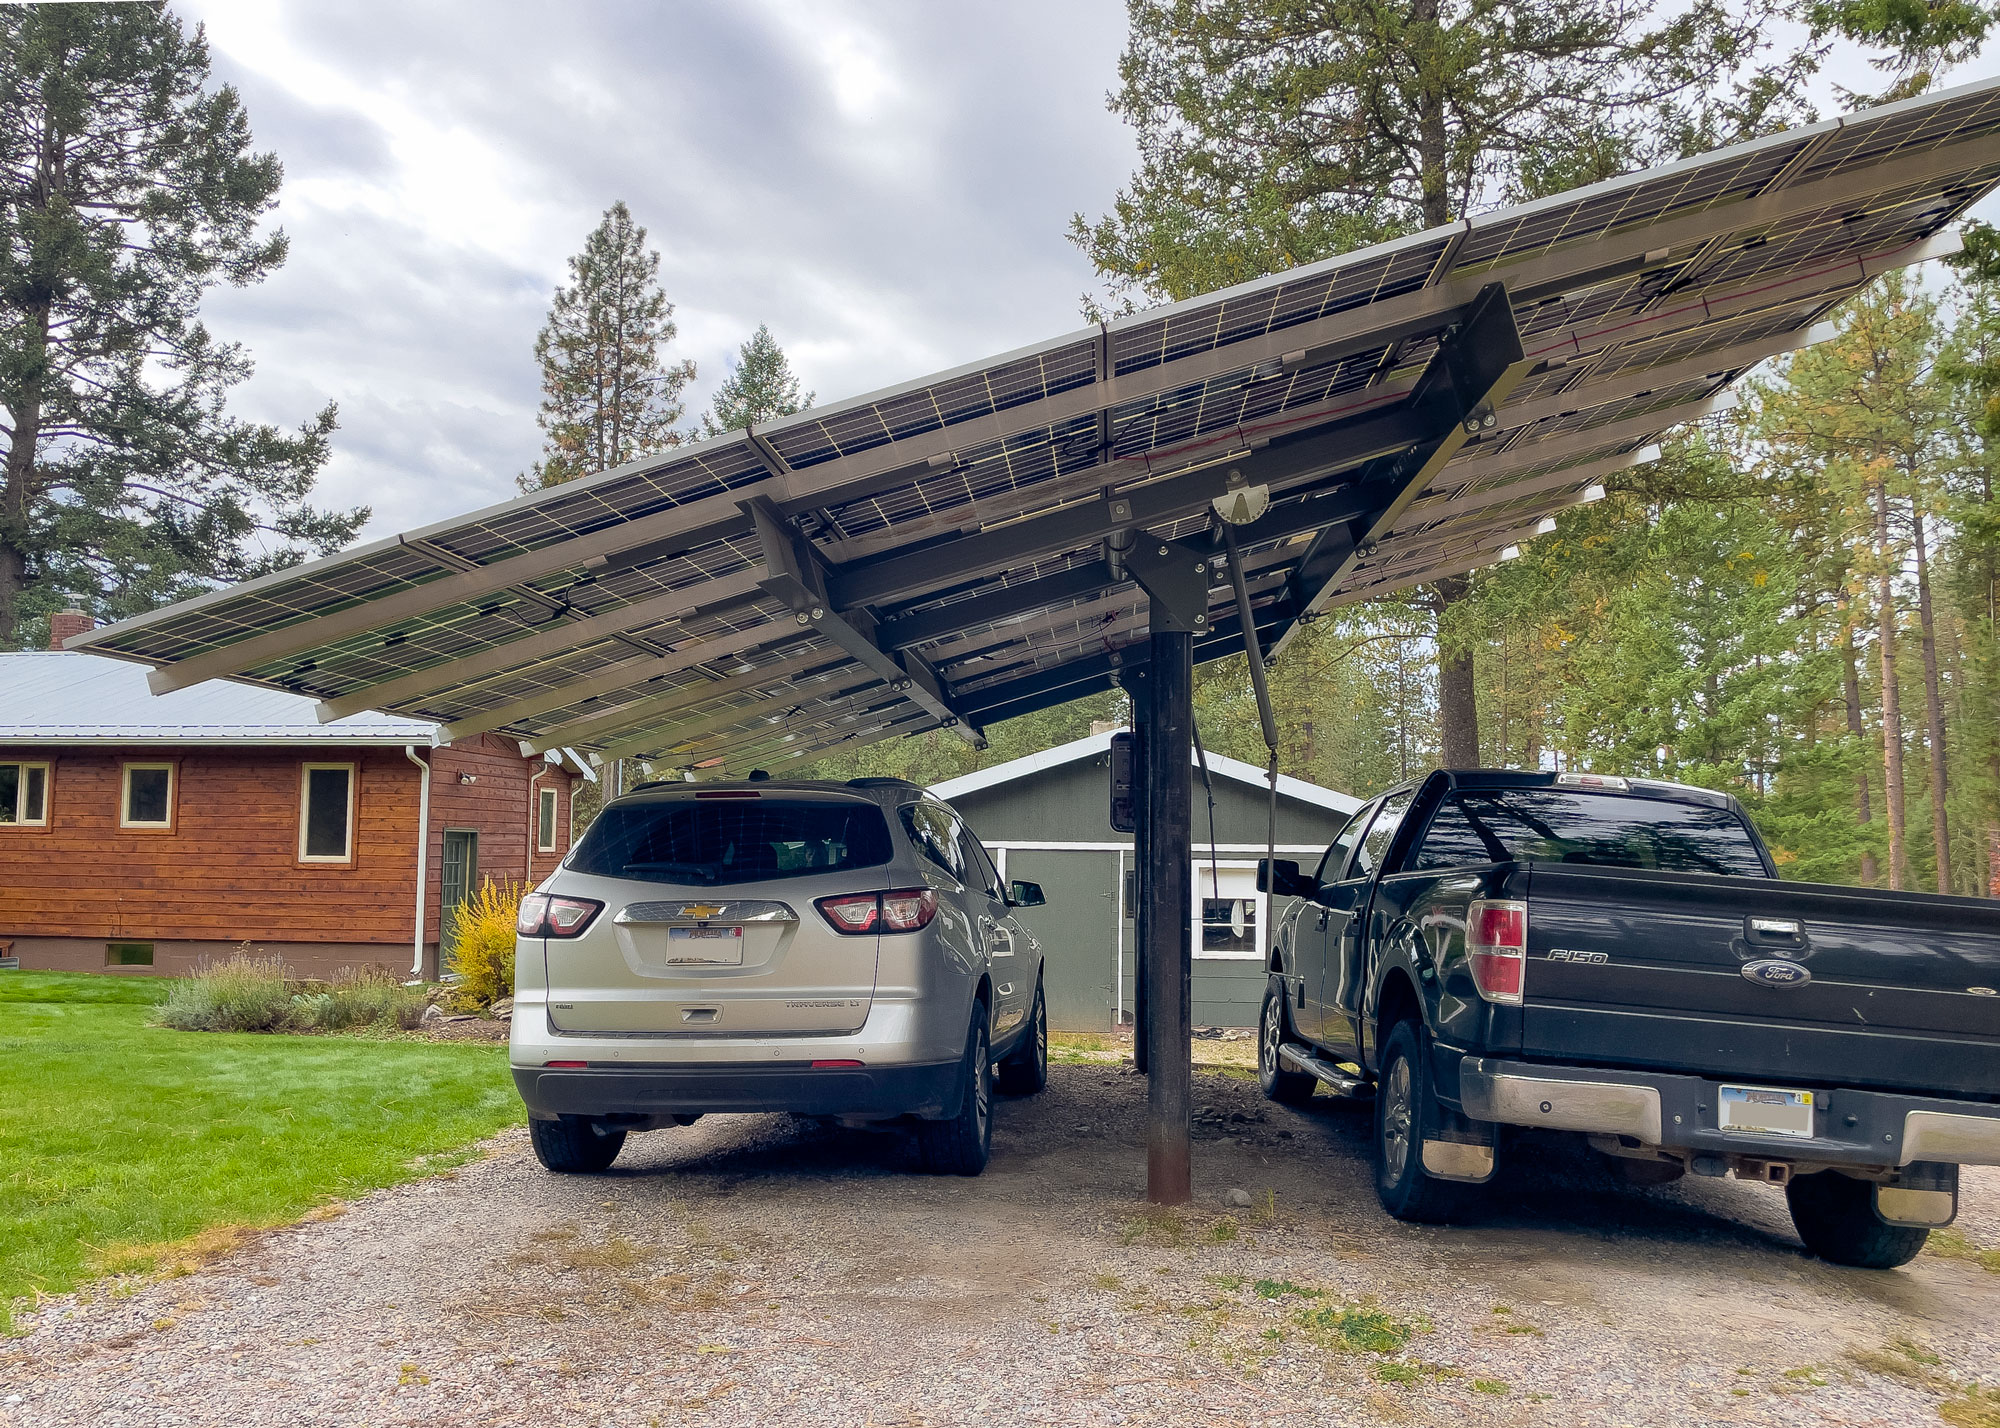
point(144, 834)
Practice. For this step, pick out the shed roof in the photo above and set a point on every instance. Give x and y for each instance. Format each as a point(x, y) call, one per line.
point(52, 697)
point(1220, 765)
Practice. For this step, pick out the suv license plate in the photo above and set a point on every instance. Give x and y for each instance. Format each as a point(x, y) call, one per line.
point(1765, 1110)
point(704, 946)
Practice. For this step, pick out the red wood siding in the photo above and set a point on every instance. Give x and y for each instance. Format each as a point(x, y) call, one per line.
point(499, 807)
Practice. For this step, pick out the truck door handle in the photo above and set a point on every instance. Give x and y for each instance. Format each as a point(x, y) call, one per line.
point(1322, 921)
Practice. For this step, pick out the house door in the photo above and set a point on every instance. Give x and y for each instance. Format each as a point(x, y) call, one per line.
point(461, 869)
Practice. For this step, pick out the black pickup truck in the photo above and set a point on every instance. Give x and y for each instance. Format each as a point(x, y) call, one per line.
point(1617, 958)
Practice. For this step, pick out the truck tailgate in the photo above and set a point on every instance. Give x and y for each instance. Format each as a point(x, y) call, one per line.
point(1633, 968)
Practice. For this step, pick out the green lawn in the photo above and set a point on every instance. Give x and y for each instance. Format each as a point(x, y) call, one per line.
point(119, 1141)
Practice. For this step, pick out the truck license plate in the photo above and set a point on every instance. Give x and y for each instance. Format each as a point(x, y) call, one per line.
point(1765, 1110)
point(704, 946)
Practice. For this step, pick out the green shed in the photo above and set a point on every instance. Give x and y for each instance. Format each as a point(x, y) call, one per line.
point(1046, 818)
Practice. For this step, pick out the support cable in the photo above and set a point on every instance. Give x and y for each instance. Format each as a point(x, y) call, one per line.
point(1214, 871)
point(1268, 721)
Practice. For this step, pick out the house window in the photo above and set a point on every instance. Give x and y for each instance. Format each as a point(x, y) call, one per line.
point(326, 813)
point(545, 820)
point(128, 954)
point(147, 799)
point(24, 794)
point(1229, 912)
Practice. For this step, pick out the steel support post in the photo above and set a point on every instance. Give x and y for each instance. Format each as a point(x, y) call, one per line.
point(1139, 689)
point(1165, 865)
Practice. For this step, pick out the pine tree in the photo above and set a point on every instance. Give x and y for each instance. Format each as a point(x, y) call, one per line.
point(761, 387)
point(608, 394)
point(128, 188)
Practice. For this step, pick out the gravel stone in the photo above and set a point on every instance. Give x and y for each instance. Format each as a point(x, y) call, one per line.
point(752, 1270)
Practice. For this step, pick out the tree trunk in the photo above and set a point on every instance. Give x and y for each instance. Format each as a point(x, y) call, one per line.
point(1892, 699)
point(1851, 687)
point(1933, 702)
point(1458, 693)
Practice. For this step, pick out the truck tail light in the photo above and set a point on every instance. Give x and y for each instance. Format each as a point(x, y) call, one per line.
point(1496, 946)
point(546, 915)
point(859, 914)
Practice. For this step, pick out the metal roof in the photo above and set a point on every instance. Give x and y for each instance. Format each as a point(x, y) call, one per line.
point(1092, 745)
point(48, 697)
point(981, 543)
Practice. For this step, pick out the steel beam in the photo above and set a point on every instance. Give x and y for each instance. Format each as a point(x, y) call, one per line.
point(538, 643)
point(1165, 872)
point(795, 574)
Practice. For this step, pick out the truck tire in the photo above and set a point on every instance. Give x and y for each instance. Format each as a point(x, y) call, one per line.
point(1025, 1070)
point(1406, 1102)
point(1835, 1215)
point(574, 1147)
point(961, 1145)
point(1287, 1088)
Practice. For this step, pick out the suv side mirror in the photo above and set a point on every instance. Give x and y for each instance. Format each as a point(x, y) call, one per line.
point(1020, 894)
point(1282, 876)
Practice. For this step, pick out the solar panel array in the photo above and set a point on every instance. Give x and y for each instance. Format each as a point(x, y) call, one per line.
point(636, 611)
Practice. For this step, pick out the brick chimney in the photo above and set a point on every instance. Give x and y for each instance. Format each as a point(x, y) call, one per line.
point(65, 623)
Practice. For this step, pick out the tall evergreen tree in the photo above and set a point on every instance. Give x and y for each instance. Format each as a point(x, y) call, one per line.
point(761, 387)
point(609, 395)
point(128, 188)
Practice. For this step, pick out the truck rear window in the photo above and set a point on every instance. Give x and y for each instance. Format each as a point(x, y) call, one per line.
point(706, 844)
point(1552, 825)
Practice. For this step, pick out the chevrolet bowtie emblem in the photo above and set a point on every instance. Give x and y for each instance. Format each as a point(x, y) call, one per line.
point(700, 909)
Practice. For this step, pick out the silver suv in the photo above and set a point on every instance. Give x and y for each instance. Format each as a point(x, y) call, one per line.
point(843, 950)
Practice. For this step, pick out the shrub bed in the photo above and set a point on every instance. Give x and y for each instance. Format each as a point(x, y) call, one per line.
point(251, 993)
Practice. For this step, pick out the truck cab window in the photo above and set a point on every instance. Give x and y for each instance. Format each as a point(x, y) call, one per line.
point(1453, 842)
point(1336, 855)
point(1381, 833)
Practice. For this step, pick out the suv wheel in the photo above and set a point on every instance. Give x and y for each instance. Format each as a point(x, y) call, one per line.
point(1835, 1215)
point(574, 1147)
point(1405, 1103)
point(961, 1145)
point(1291, 1088)
point(1026, 1069)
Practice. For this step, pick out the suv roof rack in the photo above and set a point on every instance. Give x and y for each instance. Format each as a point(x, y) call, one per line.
point(883, 782)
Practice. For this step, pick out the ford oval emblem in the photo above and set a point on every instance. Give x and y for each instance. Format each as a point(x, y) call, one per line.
point(1776, 972)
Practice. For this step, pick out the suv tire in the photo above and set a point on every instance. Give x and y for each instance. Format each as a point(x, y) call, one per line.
point(574, 1147)
point(1288, 1088)
point(1406, 1102)
point(1026, 1068)
point(1835, 1215)
point(961, 1145)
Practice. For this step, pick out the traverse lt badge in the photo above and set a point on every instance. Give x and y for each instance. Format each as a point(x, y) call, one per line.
point(1776, 972)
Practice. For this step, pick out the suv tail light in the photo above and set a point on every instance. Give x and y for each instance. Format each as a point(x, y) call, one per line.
point(1496, 946)
point(546, 915)
point(858, 914)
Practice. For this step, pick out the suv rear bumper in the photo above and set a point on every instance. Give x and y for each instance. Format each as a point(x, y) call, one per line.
point(1678, 1112)
point(722, 1088)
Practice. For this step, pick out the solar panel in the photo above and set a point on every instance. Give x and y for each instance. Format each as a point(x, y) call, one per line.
point(960, 548)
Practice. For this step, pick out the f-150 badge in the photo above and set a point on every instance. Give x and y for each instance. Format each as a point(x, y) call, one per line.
point(1776, 972)
point(1577, 954)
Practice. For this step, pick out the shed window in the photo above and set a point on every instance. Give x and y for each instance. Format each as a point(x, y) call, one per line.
point(148, 796)
point(326, 813)
point(24, 794)
point(545, 820)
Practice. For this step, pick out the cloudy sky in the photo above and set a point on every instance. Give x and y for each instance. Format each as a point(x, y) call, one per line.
point(886, 184)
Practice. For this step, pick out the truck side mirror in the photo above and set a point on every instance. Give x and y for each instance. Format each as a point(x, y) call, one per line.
point(1024, 894)
point(1282, 876)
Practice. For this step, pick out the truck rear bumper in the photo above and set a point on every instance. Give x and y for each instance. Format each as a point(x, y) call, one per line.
point(624, 1089)
point(1678, 1112)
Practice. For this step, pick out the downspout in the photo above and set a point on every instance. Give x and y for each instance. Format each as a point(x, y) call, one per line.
point(423, 858)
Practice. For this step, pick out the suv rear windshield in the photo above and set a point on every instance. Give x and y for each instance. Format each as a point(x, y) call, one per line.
point(707, 842)
point(1551, 825)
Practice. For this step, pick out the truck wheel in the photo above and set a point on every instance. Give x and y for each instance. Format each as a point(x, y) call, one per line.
point(1289, 1088)
point(1405, 1103)
point(1026, 1068)
point(961, 1145)
point(574, 1147)
point(1835, 1215)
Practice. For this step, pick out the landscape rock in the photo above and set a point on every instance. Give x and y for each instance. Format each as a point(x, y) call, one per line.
point(1237, 1199)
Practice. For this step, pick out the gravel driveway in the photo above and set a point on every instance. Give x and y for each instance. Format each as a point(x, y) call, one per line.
point(753, 1270)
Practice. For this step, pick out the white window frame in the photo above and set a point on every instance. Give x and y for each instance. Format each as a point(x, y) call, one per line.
point(21, 792)
point(1203, 891)
point(305, 810)
point(552, 797)
point(125, 819)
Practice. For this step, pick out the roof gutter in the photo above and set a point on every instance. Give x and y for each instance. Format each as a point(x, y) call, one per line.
point(423, 858)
